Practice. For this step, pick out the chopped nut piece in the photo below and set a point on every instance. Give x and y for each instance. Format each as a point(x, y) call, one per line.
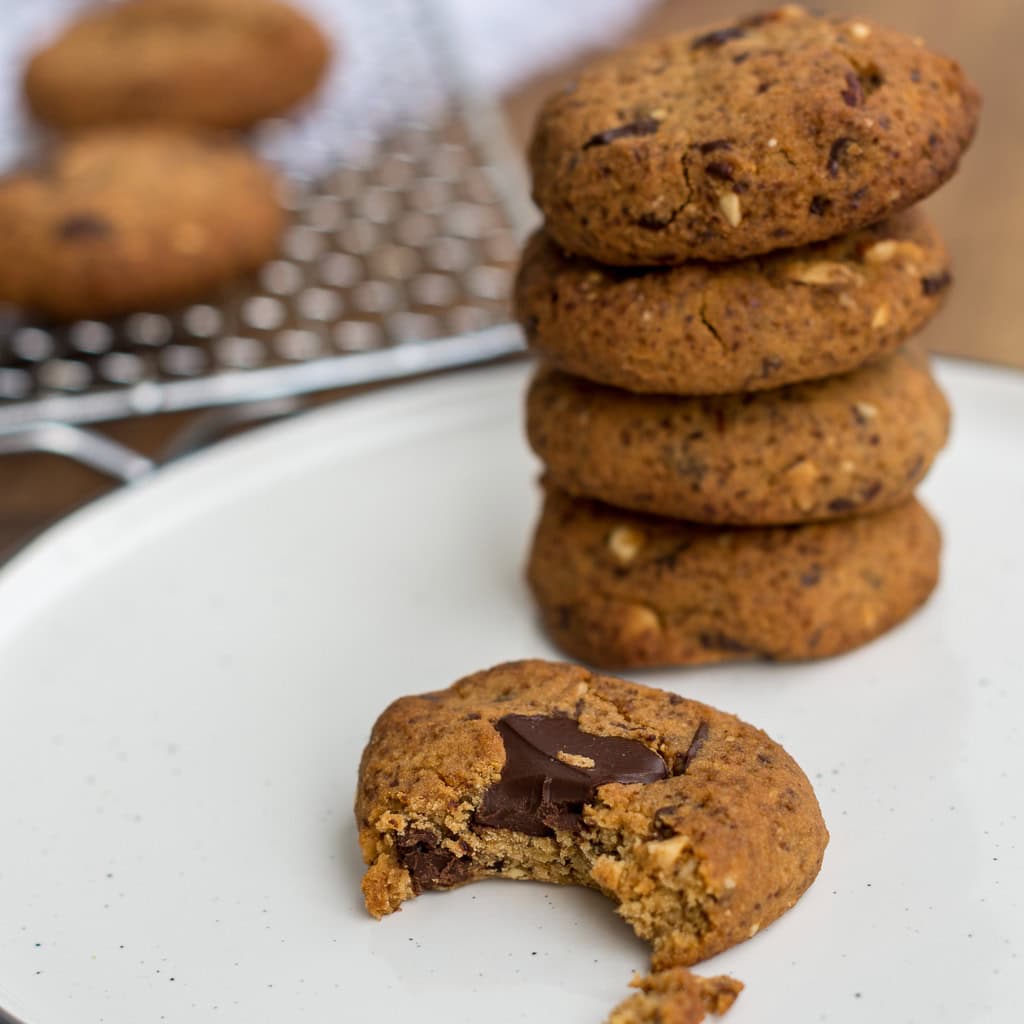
point(865, 410)
point(890, 249)
point(859, 30)
point(729, 204)
point(625, 542)
point(802, 477)
point(638, 620)
point(825, 272)
point(881, 316)
point(666, 852)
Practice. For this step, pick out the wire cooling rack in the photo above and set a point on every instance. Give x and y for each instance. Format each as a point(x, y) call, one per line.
point(398, 259)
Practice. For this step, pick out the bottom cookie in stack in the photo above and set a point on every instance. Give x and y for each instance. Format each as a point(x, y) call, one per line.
point(625, 589)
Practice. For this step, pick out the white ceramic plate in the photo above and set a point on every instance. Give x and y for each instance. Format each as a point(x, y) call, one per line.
point(188, 673)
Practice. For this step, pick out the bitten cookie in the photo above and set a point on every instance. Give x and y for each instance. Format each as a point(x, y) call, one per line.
point(205, 63)
point(620, 589)
point(128, 219)
point(704, 328)
point(820, 450)
point(701, 828)
point(777, 130)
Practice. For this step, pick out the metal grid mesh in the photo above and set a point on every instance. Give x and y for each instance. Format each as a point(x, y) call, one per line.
point(408, 239)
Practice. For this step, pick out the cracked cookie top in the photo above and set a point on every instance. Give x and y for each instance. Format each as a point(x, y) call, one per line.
point(705, 328)
point(699, 826)
point(776, 130)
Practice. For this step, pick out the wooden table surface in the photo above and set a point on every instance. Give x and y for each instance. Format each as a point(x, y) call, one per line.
point(981, 213)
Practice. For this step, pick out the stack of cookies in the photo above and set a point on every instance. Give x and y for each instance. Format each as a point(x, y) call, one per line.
point(731, 418)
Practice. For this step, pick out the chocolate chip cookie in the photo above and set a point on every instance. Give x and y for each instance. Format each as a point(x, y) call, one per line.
point(704, 328)
point(207, 63)
point(824, 449)
point(620, 589)
point(776, 130)
point(700, 827)
point(126, 219)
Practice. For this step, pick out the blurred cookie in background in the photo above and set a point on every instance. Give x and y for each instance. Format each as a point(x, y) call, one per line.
point(208, 63)
point(125, 219)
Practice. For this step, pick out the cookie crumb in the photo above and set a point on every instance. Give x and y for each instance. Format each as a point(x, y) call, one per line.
point(677, 996)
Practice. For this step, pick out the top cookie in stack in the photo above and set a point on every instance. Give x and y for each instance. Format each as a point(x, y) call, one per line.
point(727, 220)
point(781, 129)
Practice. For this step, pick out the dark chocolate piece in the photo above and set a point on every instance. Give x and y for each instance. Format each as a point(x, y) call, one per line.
point(717, 38)
point(721, 642)
point(699, 738)
point(836, 154)
point(719, 169)
point(641, 126)
point(933, 285)
point(83, 225)
point(853, 94)
point(820, 205)
point(842, 505)
point(540, 792)
point(812, 577)
point(429, 864)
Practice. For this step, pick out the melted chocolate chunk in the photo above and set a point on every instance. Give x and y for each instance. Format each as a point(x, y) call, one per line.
point(641, 126)
point(540, 792)
point(83, 225)
point(718, 38)
point(429, 864)
point(713, 145)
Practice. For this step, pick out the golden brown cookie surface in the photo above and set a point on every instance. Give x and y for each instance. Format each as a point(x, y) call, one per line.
point(776, 130)
point(824, 449)
point(124, 219)
point(704, 328)
point(624, 590)
point(205, 63)
point(700, 827)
